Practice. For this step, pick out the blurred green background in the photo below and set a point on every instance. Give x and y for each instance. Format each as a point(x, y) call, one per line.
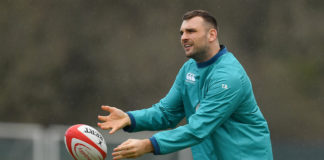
point(60, 60)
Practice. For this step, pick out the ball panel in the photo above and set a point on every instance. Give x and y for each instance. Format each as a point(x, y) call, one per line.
point(84, 151)
point(94, 136)
point(84, 142)
point(69, 134)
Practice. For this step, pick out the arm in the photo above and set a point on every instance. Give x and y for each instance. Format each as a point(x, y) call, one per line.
point(215, 108)
point(165, 114)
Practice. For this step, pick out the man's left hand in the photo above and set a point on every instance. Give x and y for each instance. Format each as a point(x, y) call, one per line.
point(132, 148)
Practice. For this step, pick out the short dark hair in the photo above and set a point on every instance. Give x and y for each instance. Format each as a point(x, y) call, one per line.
point(203, 14)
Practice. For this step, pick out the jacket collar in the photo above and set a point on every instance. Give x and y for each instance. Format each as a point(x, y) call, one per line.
point(222, 51)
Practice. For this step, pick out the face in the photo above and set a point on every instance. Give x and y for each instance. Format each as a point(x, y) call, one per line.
point(194, 37)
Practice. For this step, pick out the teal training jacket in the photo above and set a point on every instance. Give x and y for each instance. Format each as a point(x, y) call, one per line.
point(224, 121)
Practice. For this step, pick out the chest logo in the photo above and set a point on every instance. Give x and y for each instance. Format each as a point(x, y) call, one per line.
point(190, 78)
point(224, 86)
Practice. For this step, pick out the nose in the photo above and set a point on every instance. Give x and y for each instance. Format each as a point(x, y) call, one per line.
point(184, 38)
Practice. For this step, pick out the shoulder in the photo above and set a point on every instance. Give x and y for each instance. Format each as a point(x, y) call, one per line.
point(188, 66)
point(229, 66)
point(228, 71)
point(189, 63)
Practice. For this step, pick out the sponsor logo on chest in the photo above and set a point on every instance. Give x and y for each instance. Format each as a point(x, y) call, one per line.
point(190, 78)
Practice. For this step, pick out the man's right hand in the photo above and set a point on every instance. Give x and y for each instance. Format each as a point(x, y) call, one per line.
point(116, 119)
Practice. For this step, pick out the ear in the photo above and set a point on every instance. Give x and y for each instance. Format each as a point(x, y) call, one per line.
point(212, 35)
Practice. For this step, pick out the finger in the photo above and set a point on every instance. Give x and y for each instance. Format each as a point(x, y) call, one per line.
point(123, 156)
point(102, 118)
point(117, 157)
point(127, 153)
point(101, 125)
point(104, 126)
point(125, 144)
point(121, 148)
point(123, 151)
point(113, 130)
point(107, 108)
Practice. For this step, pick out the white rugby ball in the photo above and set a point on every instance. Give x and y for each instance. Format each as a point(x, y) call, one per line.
point(85, 143)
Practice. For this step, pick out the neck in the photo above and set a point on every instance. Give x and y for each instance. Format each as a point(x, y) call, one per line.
point(212, 51)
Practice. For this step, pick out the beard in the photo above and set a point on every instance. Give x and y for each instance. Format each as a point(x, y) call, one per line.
point(198, 54)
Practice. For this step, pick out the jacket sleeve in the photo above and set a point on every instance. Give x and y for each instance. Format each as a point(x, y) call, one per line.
point(219, 102)
point(165, 114)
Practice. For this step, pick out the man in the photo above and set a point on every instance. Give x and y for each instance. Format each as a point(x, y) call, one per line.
point(213, 92)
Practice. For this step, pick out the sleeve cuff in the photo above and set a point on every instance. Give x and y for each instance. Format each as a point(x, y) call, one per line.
point(133, 123)
point(155, 146)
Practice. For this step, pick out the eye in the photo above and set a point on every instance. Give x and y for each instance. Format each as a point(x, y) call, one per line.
point(191, 30)
point(181, 33)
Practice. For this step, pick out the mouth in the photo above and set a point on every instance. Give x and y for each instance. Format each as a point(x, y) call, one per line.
point(187, 46)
